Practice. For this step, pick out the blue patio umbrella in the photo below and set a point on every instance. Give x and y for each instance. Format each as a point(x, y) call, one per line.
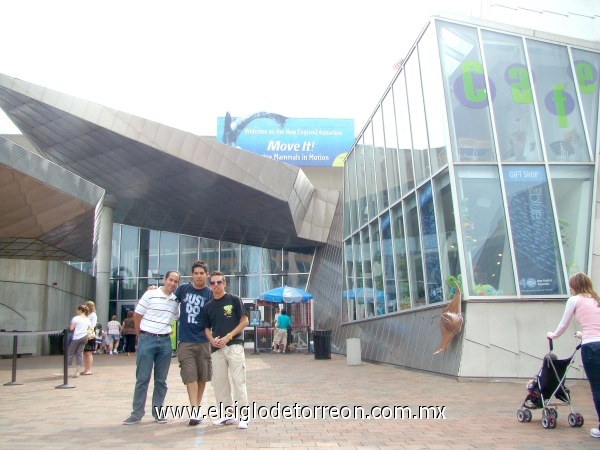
point(286, 294)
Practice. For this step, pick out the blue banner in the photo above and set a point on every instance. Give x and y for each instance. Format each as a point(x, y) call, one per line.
point(532, 225)
point(301, 142)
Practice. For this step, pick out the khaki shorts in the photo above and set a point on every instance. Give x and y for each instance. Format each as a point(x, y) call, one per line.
point(280, 336)
point(194, 361)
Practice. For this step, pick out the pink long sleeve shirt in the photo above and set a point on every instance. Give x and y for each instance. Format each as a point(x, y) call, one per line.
point(587, 314)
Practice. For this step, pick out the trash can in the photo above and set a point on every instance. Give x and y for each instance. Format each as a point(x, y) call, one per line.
point(322, 344)
point(56, 344)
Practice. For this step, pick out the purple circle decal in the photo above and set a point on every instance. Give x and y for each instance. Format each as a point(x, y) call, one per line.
point(507, 76)
point(477, 88)
point(550, 102)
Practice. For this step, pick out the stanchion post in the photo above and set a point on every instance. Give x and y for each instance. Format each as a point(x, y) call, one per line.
point(14, 363)
point(308, 339)
point(256, 352)
point(65, 384)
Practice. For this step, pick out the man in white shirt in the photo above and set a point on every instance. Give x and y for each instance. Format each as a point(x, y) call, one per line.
point(153, 316)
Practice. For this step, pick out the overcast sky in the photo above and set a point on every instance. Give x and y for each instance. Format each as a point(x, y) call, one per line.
point(185, 63)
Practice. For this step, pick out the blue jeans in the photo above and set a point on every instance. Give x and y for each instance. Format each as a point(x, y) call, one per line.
point(590, 355)
point(153, 352)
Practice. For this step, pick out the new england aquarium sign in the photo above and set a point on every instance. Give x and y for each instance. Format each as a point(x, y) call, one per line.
point(301, 142)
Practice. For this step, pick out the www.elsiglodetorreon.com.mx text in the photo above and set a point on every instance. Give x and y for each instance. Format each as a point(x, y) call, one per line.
point(305, 412)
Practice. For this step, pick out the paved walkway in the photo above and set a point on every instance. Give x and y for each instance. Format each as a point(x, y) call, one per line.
point(477, 414)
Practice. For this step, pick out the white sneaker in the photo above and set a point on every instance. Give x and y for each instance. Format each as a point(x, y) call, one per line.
point(595, 432)
point(243, 424)
point(277, 351)
point(227, 421)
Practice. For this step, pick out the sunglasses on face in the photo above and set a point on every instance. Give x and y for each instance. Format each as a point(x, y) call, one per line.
point(212, 283)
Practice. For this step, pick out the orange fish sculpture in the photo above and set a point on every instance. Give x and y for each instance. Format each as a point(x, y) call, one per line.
point(451, 321)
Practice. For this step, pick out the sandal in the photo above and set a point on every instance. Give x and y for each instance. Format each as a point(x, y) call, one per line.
point(86, 373)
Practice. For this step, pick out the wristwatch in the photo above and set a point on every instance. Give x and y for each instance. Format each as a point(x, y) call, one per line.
point(229, 336)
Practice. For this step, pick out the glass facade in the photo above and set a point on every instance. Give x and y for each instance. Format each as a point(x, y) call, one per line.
point(476, 169)
point(141, 257)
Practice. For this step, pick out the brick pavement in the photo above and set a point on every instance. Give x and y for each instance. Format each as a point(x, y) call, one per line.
point(477, 414)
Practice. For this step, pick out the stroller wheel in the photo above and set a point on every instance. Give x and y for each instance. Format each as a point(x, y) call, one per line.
point(527, 415)
point(552, 422)
point(521, 415)
point(553, 412)
point(579, 419)
point(545, 422)
point(572, 419)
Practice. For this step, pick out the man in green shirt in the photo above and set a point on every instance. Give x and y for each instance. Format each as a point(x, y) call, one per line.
point(281, 330)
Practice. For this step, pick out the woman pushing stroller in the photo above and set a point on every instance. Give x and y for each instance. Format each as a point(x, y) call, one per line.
point(585, 306)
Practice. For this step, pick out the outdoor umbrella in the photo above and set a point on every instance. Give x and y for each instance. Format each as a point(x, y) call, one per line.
point(286, 295)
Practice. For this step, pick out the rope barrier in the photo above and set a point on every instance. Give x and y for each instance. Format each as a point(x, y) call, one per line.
point(15, 334)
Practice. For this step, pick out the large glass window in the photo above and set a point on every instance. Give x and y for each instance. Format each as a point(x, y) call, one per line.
point(433, 97)
point(296, 262)
point(444, 212)
point(484, 233)
point(128, 263)
point(359, 281)
point(415, 254)
point(348, 200)
point(371, 186)
point(367, 273)
point(251, 257)
point(401, 260)
point(153, 250)
point(296, 279)
point(572, 187)
point(379, 160)
point(209, 253)
point(514, 112)
point(587, 71)
point(417, 118)
point(353, 192)
point(433, 274)
point(250, 286)
point(233, 285)
point(230, 258)
point(467, 93)
point(116, 240)
point(168, 252)
point(363, 214)
point(562, 126)
point(387, 261)
point(407, 177)
point(188, 254)
point(268, 282)
point(391, 147)
point(349, 290)
point(273, 260)
point(539, 266)
point(144, 270)
point(377, 295)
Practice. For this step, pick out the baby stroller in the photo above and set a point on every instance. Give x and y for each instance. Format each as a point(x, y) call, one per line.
point(550, 382)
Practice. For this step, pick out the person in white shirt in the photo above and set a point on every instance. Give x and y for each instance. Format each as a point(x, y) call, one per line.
point(114, 335)
point(153, 316)
point(88, 349)
point(79, 326)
